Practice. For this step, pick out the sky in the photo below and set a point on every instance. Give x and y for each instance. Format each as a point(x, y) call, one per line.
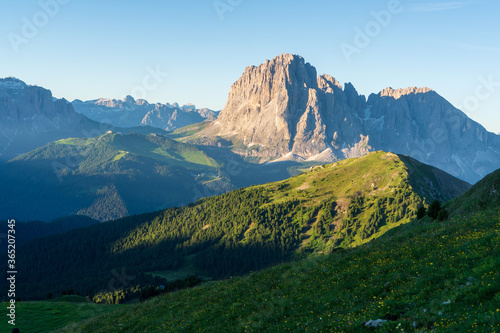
point(191, 51)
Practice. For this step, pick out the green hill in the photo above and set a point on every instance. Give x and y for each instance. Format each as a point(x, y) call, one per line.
point(336, 206)
point(422, 276)
point(105, 178)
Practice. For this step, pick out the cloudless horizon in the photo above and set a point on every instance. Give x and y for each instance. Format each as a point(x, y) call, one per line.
point(107, 49)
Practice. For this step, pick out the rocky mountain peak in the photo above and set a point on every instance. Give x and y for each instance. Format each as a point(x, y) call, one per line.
point(141, 102)
point(105, 102)
point(398, 93)
point(129, 99)
point(260, 84)
point(19, 101)
point(281, 110)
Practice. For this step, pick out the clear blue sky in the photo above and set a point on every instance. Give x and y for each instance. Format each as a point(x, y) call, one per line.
point(91, 49)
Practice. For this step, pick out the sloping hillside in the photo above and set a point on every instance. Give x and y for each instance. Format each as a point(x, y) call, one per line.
point(485, 194)
point(341, 205)
point(423, 276)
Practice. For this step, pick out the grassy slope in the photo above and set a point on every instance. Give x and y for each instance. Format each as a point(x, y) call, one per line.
point(155, 147)
point(485, 194)
point(316, 211)
point(423, 275)
point(43, 317)
point(182, 133)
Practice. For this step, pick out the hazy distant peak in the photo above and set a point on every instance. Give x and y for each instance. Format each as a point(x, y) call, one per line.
point(141, 102)
point(398, 93)
point(106, 102)
point(189, 106)
point(129, 99)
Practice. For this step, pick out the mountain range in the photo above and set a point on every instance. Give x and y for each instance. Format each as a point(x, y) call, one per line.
point(279, 116)
point(31, 117)
point(131, 113)
point(282, 110)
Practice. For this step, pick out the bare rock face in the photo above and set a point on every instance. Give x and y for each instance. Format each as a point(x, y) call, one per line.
point(284, 109)
point(281, 110)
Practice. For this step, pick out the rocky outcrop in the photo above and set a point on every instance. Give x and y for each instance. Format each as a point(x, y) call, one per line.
point(281, 110)
point(131, 113)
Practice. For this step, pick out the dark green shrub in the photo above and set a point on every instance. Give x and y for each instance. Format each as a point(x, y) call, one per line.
point(421, 212)
point(442, 215)
point(434, 209)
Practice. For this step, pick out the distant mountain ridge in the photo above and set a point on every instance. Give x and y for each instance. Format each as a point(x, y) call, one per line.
point(130, 113)
point(283, 110)
point(31, 117)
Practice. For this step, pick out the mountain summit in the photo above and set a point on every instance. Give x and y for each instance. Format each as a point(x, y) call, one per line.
point(282, 110)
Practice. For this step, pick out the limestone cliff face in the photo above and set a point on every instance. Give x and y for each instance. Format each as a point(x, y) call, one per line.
point(284, 109)
point(281, 110)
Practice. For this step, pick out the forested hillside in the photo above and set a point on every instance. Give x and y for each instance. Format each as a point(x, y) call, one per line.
point(420, 277)
point(341, 205)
